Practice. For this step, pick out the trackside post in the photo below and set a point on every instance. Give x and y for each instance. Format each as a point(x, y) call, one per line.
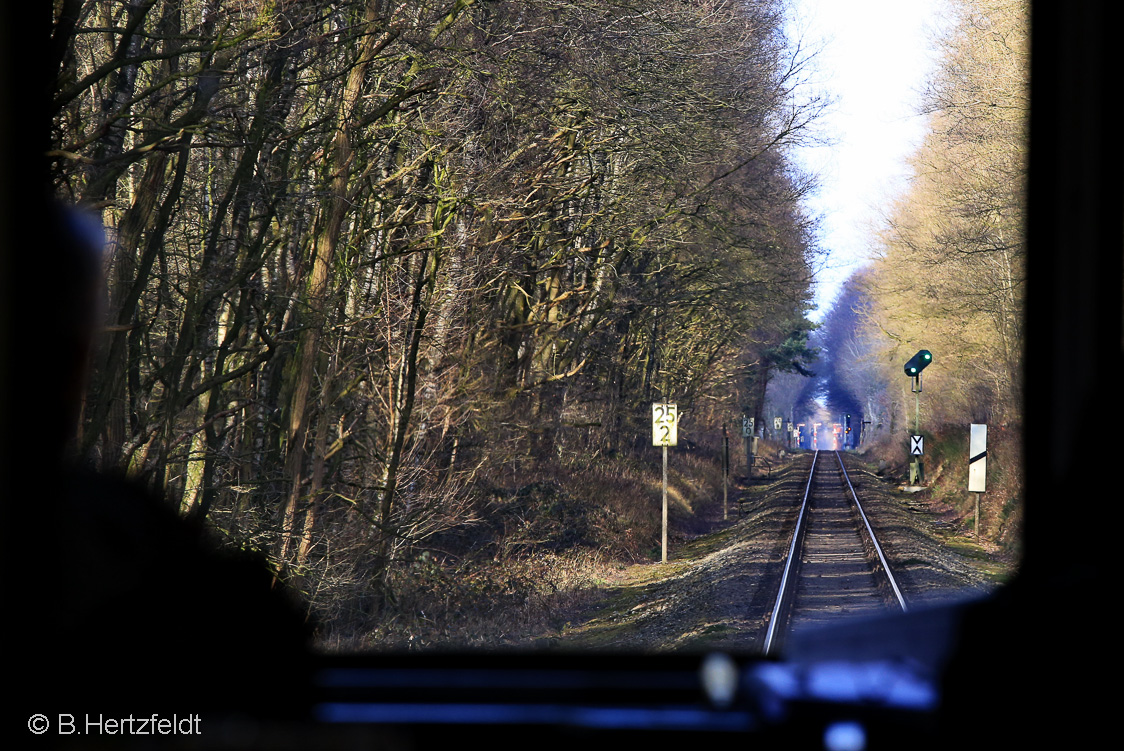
point(977, 466)
point(913, 369)
point(665, 432)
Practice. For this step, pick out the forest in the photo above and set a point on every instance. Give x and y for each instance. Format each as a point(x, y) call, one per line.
point(391, 286)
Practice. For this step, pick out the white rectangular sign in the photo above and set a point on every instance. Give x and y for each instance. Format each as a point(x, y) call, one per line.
point(977, 459)
point(665, 423)
point(777, 423)
point(916, 445)
point(747, 427)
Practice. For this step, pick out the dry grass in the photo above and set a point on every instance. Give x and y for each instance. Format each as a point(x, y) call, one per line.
point(542, 548)
point(477, 604)
point(946, 467)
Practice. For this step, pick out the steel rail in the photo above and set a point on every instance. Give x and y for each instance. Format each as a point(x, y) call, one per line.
point(770, 635)
point(873, 539)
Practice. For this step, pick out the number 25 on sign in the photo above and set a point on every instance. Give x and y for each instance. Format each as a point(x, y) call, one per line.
point(665, 420)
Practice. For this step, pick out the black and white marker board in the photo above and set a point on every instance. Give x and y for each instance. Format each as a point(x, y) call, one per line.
point(977, 459)
point(916, 445)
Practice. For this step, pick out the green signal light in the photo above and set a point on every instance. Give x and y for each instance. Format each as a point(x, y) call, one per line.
point(918, 362)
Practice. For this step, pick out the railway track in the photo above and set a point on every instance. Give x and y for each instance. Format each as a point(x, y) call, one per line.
point(835, 566)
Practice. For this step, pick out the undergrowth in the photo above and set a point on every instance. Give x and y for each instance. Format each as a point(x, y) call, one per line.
point(946, 474)
point(543, 540)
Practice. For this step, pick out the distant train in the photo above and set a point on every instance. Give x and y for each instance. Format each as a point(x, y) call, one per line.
point(827, 436)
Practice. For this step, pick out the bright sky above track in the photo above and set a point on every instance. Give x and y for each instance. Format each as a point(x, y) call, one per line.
point(872, 59)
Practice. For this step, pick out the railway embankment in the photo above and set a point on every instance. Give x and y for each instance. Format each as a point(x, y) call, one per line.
point(717, 589)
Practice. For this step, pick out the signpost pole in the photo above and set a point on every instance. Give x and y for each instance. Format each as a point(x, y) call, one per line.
point(664, 543)
point(917, 412)
point(917, 428)
point(977, 495)
point(725, 471)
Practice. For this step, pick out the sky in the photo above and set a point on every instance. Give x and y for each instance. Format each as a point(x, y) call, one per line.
point(872, 59)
